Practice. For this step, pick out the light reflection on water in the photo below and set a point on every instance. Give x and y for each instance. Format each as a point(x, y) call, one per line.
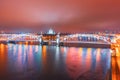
point(116, 64)
point(32, 62)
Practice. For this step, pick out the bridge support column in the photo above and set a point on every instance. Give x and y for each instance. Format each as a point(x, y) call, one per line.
point(58, 39)
point(41, 39)
point(8, 40)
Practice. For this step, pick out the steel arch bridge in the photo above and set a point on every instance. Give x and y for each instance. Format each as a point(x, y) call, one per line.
point(103, 38)
point(20, 37)
point(109, 38)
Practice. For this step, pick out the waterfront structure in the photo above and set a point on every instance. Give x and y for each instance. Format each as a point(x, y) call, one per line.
point(106, 40)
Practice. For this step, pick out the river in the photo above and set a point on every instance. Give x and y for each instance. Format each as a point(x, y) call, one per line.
point(36, 62)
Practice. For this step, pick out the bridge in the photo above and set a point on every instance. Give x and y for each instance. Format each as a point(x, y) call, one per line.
point(74, 38)
point(104, 39)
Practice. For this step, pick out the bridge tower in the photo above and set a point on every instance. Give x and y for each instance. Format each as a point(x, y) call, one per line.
point(41, 38)
point(58, 39)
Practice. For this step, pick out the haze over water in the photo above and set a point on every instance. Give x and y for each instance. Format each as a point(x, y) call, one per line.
point(36, 62)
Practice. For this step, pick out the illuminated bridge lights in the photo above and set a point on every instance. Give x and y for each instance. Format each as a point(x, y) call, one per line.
point(72, 37)
point(112, 39)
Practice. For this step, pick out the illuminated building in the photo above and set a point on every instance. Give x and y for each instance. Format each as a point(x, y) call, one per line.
point(51, 31)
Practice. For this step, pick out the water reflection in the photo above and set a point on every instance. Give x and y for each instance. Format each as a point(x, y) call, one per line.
point(36, 62)
point(115, 68)
point(116, 64)
point(87, 64)
point(3, 59)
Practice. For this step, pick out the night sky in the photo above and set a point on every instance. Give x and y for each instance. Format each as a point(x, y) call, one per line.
point(61, 15)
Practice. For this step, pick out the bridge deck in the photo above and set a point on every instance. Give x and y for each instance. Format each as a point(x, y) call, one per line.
point(86, 42)
point(67, 43)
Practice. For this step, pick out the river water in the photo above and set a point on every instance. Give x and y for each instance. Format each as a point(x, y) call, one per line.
point(36, 62)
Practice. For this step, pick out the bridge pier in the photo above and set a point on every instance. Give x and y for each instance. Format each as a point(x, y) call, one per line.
point(40, 39)
point(58, 39)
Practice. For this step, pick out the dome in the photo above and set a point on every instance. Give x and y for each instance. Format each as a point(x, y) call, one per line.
point(51, 31)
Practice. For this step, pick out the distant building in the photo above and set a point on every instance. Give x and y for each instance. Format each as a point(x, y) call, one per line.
point(51, 31)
